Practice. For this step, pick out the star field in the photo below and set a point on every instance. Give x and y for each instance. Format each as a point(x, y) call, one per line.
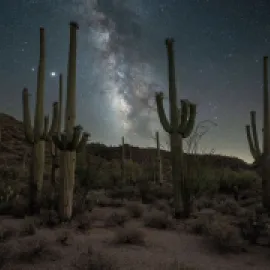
point(219, 46)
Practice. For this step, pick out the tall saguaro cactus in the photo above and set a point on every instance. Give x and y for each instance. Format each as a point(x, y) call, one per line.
point(180, 126)
point(38, 134)
point(158, 160)
point(72, 140)
point(262, 159)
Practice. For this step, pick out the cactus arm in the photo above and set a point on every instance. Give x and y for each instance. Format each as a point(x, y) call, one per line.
point(39, 110)
point(253, 150)
point(254, 132)
point(59, 124)
point(26, 117)
point(70, 115)
point(191, 120)
point(81, 145)
point(54, 124)
point(46, 127)
point(161, 112)
point(77, 131)
point(58, 141)
point(183, 112)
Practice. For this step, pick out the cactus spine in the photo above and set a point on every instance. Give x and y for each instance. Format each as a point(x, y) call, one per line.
point(123, 169)
point(180, 127)
point(262, 158)
point(158, 160)
point(39, 133)
point(72, 140)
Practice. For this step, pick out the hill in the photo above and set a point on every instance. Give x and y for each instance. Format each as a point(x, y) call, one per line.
point(14, 149)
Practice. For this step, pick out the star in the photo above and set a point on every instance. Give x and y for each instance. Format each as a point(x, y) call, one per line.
point(53, 74)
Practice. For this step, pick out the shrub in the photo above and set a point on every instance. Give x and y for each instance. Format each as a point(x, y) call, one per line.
point(64, 238)
point(94, 260)
point(28, 227)
point(34, 248)
point(158, 220)
point(224, 236)
point(197, 225)
point(131, 236)
point(49, 218)
point(84, 222)
point(116, 219)
point(228, 207)
point(135, 209)
point(175, 265)
point(6, 254)
point(6, 233)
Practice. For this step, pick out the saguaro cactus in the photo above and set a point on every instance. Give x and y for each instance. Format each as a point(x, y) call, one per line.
point(55, 150)
point(72, 140)
point(40, 132)
point(262, 159)
point(123, 167)
point(158, 160)
point(180, 126)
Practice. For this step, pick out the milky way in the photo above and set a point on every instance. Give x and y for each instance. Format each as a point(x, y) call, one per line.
point(127, 79)
point(122, 63)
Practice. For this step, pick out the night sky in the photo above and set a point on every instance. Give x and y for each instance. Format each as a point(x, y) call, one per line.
point(219, 46)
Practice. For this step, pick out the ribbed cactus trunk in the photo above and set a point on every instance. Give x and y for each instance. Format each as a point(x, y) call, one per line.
point(68, 158)
point(266, 139)
point(180, 127)
point(123, 168)
point(262, 160)
point(54, 150)
point(70, 141)
point(158, 161)
point(33, 136)
point(40, 133)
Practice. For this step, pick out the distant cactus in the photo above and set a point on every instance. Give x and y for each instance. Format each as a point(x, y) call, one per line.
point(39, 133)
point(262, 159)
point(123, 168)
point(158, 161)
point(72, 140)
point(180, 126)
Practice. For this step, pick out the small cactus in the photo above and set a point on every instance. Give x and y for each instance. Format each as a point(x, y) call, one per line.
point(158, 160)
point(123, 168)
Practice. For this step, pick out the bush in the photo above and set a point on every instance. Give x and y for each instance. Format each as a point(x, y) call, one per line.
point(224, 236)
point(135, 209)
point(175, 265)
point(116, 219)
point(197, 225)
point(158, 220)
point(6, 233)
point(6, 254)
point(28, 227)
point(84, 222)
point(49, 218)
point(131, 236)
point(94, 260)
point(34, 248)
point(228, 207)
point(64, 238)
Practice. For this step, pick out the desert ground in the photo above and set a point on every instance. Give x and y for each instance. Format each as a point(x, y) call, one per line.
point(131, 226)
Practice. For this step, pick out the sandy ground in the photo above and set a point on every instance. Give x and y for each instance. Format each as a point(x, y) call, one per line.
point(160, 250)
